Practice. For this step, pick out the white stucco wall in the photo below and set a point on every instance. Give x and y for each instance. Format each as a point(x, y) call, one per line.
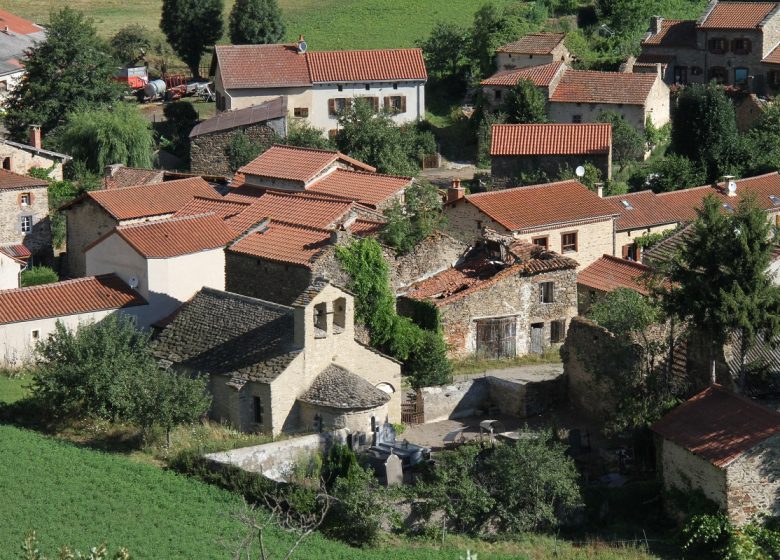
point(9, 272)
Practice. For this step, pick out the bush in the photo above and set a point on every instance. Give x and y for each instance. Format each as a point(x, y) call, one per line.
point(410, 224)
point(358, 509)
point(38, 275)
point(428, 363)
point(180, 113)
point(241, 150)
point(713, 536)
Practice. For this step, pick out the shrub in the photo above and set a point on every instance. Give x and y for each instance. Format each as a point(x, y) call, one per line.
point(358, 508)
point(713, 536)
point(38, 275)
point(180, 113)
point(410, 224)
point(241, 150)
point(428, 363)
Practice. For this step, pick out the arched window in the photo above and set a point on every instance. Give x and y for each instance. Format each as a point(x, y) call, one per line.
point(386, 388)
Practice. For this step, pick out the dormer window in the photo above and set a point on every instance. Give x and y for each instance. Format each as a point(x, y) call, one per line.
point(626, 204)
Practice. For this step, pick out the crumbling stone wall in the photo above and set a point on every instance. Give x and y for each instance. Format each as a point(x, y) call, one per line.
point(456, 400)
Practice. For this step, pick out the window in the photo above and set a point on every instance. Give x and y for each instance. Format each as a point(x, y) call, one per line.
point(680, 74)
point(338, 105)
point(373, 102)
point(24, 199)
point(546, 292)
point(340, 87)
point(541, 241)
point(332, 133)
point(719, 74)
point(696, 71)
point(741, 46)
point(774, 199)
point(26, 224)
point(35, 335)
point(557, 330)
point(395, 104)
point(302, 112)
point(497, 94)
point(629, 252)
point(576, 119)
point(569, 242)
point(368, 87)
point(740, 76)
point(718, 45)
point(395, 86)
point(320, 320)
point(7, 164)
point(257, 405)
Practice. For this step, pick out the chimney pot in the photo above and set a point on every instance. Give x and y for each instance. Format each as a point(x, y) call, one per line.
point(656, 22)
point(455, 192)
point(600, 189)
point(35, 136)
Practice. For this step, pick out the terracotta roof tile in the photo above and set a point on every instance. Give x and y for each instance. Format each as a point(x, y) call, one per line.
point(673, 33)
point(17, 252)
point(737, 15)
point(285, 243)
point(718, 425)
point(534, 43)
point(538, 205)
point(370, 189)
point(176, 236)
point(296, 164)
point(543, 139)
point(223, 207)
point(259, 66)
point(132, 177)
point(17, 24)
point(311, 211)
point(587, 86)
point(540, 75)
point(642, 209)
point(363, 228)
point(71, 297)
point(378, 65)
point(773, 57)
point(610, 273)
point(12, 181)
point(154, 199)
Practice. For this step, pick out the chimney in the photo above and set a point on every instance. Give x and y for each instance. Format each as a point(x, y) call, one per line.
point(35, 136)
point(655, 24)
point(301, 44)
point(110, 170)
point(729, 185)
point(600, 189)
point(455, 192)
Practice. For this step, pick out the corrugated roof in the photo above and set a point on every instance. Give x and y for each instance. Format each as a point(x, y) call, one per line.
point(534, 43)
point(540, 75)
point(548, 139)
point(737, 15)
point(226, 120)
point(292, 163)
point(13, 181)
point(642, 209)
point(379, 65)
point(284, 243)
point(71, 297)
point(673, 33)
point(370, 189)
point(261, 66)
point(538, 205)
point(588, 86)
point(610, 273)
point(718, 425)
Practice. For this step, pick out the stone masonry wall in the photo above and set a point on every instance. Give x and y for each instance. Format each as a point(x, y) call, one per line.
point(263, 279)
point(456, 400)
point(753, 482)
point(86, 221)
point(11, 212)
point(682, 470)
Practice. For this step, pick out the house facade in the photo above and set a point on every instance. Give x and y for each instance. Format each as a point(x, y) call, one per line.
point(606, 275)
point(11, 268)
point(21, 158)
point(317, 86)
point(16, 36)
point(532, 50)
point(24, 213)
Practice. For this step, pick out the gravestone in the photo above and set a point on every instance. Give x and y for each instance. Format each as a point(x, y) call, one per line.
point(394, 474)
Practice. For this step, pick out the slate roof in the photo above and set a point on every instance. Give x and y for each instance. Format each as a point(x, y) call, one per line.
point(642, 209)
point(379, 65)
point(335, 387)
point(590, 86)
point(369, 189)
point(37, 151)
point(284, 243)
point(737, 15)
point(539, 205)
point(549, 139)
point(296, 164)
point(13, 181)
point(718, 425)
point(534, 43)
point(673, 33)
point(610, 273)
point(540, 75)
point(226, 120)
point(222, 333)
point(71, 297)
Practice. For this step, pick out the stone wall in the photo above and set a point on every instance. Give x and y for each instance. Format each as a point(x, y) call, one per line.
point(525, 399)
point(753, 482)
point(21, 161)
point(332, 418)
point(11, 212)
point(682, 470)
point(511, 167)
point(86, 221)
point(207, 151)
point(456, 400)
point(264, 279)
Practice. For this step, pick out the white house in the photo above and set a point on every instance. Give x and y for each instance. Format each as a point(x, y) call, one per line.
point(16, 35)
point(28, 315)
point(318, 85)
point(11, 267)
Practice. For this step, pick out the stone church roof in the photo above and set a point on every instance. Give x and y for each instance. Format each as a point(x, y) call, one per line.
point(335, 387)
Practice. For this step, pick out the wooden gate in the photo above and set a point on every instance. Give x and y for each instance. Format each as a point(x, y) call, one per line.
point(496, 338)
point(537, 338)
point(412, 410)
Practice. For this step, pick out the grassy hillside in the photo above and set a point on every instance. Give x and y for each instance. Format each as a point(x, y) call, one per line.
point(327, 24)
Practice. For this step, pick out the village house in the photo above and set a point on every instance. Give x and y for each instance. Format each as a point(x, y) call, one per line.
point(532, 50)
point(24, 215)
point(29, 315)
point(606, 275)
point(517, 149)
point(565, 217)
point(734, 43)
point(209, 139)
point(726, 446)
point(21, 158)
point(11, 266)
point(317, 86)
point(98, 212)
point(16, 36)
point(506, 298)
point(280, 369)
point(641, 213)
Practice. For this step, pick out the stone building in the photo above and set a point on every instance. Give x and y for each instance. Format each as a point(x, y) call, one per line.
point(209, 139)
point(727, 447)
point(532, 50)
point(24, 214)
point(606, 275)
point(565, 217)
point(642, 213)
point(517, 149)
point(275, 369)
point(18, 35)
point(733, 43)
point(21, 158)
point(507, 298)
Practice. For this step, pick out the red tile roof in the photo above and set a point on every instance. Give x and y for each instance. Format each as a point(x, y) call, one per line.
point(370, 189)
point(259, 66)
point(285, 243)
point(773, 57)
point(539, 205)
point(540, 75)
point(12, 181)
point(223, 207)
point(737, 15)
point(544, 139)
point(132, 177)
point(610, 273)
point(365, 227)
point(642, 209)
point(311, 211)
point(673, 33)
point(174, 237)
point(718, 425)
point(154, 199)
point(534, 43)
point(18, 25)
point(71, 297)
point(587, 86)
point(296, 164)
point(381, 65)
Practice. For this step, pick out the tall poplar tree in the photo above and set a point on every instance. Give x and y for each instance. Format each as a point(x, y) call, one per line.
point(256, 22)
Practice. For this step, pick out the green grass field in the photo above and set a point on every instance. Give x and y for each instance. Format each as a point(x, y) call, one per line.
point(327, 24)
point(12, 389)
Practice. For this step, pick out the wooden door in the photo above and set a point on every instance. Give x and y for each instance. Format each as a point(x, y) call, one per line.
point(496, 338)
point(537, 338)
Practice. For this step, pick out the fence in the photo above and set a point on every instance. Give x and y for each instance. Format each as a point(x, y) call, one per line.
point(412, 411)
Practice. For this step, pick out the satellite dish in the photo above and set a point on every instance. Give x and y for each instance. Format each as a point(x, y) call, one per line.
point(133, 282)
point(732, 186)
point(580, 171)
point(302, 46)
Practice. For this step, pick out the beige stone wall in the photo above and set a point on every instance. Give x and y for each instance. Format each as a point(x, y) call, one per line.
point(594, 240)
point(590, 112)
point(21, 161)
point(685, 471)
point(86, 221)
point(465, 222)
point(753, 482)
point(658, 106)
point(11, 212)
point(335, 419)
point(628, 237)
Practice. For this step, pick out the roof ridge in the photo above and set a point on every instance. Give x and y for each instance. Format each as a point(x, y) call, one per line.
point(303, 195)
point(302, 148)
point(394, 49)
point(124, 227)
point(241, 297)
point(299, 226)
point(630, 193)
point(221, 200)
point(157, 184)
point(52, 285)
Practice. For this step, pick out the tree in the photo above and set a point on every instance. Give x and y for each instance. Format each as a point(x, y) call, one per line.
point(192, 26)
point(418, 218)
point(761, 145)
point(130, 44)
point(105, 135)
point(38, 275)
point(428, 364)
point(589, 179)
point(627, 144)
point(625, 17)
point(719, 281)
point(72, 67)
point(491, 29)
point(525, 104)
point(485, 135)
point(358, 507)
point(445, 50)
point(705, 129)
point(670, 173)
point(241, 150)
point(256, 22)
point(304, 135)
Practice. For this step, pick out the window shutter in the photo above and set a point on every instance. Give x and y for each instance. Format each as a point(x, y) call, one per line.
point(331, 106)
point(387, 104)
point(375, 104)
point(403, 103)
point(625, 250)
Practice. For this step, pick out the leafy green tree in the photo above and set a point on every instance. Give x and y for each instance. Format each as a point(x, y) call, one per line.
point(485, 135)
point(105, 135)
point(625, 17)
point(358, 508)
point(192, 26)
point(38, 275)
point(525, 104)
point(671, 173)
point(705, 129)
point(446, 50)
point(256, 22)
point(241, 150)
point(491, 29)
point(761, 144)
point(589, 179)
point(428, 364)
point(625, 312)
point(130, 44)
point(304, 135)
point(412, 222)
point(627, 144)
point(72, 67)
